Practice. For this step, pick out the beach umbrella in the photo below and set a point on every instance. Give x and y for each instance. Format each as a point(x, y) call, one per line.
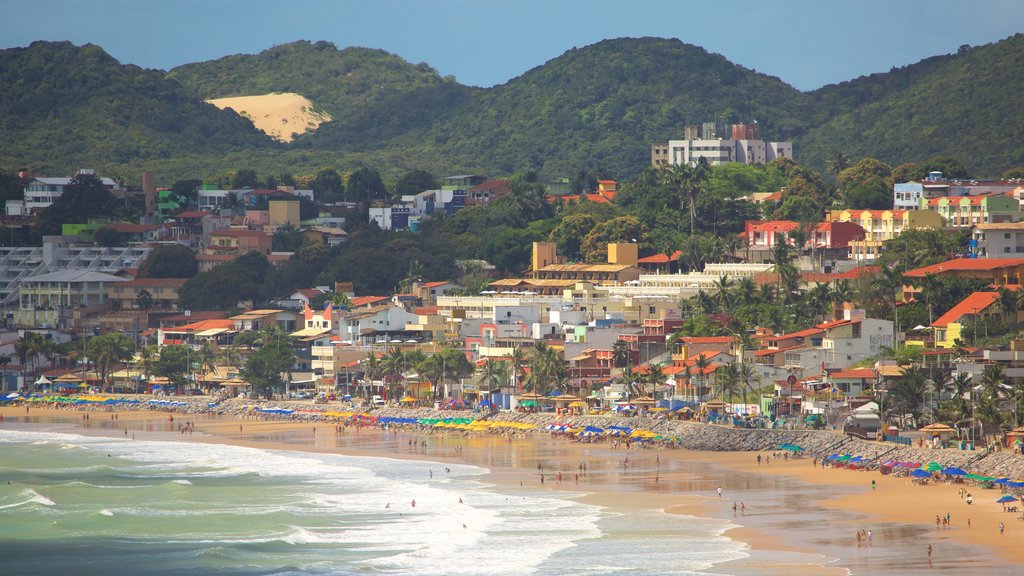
point(920, 474)
point(933, 467)
point(1001, 481)
point(1006, 498)
point(954, 471)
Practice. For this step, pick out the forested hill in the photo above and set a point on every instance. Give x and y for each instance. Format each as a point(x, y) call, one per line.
point(602, 106)
point(371, 94)
point(967, 105)
point(63, 107)
point(596, 108)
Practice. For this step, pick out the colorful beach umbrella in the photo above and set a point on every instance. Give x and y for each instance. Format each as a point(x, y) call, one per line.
point(920, 474)
point(1006, 498)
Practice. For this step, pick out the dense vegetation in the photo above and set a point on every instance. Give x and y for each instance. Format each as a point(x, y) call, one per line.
point(595, 109)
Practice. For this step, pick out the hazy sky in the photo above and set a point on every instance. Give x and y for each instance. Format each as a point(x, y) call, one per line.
point(808, 43)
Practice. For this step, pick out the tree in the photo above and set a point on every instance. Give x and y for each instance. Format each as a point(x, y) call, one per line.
point(866, 185)
point(185, 192)
point(287, 238)
point(494, 374)
point(622, 229)
point(327, 185)
point(108, 350)
point(687, 181)
point(173, 364)
point(264, 367)
point(908, 172)
point(169, 261)
point(447, 365)
point(244, 178)
point(951, 168)
point(83, 198)
point(571, 232)
point(908, 393)
point(836, 162)
point(365, 184)
point(415, 182)
point(28, 349)
point(727, 380)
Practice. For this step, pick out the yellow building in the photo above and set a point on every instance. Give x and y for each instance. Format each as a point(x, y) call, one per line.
point(882, 225)
point(283, 212)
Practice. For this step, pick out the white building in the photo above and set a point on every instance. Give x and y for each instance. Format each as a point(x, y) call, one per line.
point(40, 193)
point(744, 146)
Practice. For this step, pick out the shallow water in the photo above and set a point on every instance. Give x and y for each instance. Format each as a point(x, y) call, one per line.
point(94, 505)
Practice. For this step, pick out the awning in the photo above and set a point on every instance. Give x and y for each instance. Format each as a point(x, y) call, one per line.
point(210, 332)
point(307, 332)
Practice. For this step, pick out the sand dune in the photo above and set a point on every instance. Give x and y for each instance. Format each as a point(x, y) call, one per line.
point(278, 115)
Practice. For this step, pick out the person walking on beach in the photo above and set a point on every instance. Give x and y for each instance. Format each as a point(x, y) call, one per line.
point(719, 491)
point(929, 552)
point(872, 484)
point(758, 459)
point(1001, 528)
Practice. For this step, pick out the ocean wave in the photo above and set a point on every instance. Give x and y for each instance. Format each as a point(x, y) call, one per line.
point(105, 512)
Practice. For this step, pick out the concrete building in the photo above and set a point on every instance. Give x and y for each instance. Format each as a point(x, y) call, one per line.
point(966, 211)
point(744, 146)
point(62, 299)
point(58, 253)
point(1003, 240)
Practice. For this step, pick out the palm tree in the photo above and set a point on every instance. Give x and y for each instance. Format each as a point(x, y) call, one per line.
point(621, 354)
point(687, 181)
point(836, 162)
point(108, 350)
point(392, 366)
point(495, 374)
point(29, 348)
point(727, 380)
point(722, 294)
point(993, 378)
point(655, 376)
point(746, 291)
point(702, 363)
point(747, 375)
point(518, 357)
point(371, 369)
point(908, 393)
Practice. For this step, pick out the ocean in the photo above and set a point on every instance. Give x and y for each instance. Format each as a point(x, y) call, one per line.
point(83, 505)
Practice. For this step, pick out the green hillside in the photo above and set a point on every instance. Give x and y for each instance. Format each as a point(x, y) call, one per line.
point(601, 107)
point(64, 107)
point(596, 108)
point(968, 106)
point(371, 94)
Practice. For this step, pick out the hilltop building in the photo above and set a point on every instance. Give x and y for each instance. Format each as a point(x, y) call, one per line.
point(40, 193)
point(744, 145)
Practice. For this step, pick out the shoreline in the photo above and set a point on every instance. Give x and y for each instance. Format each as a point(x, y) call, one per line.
point(674, 481)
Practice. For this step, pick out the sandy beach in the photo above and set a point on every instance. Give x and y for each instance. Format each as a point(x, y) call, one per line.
point(795, 516)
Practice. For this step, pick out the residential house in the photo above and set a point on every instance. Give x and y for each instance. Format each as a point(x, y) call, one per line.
point(1002, 240)
point(764, 234)
point(977, 306)
point(488, 191)
point(39, 193)
point(162, 293)
point(430, 291)
point(853, 381)
point(966, 211)
point(995, 270)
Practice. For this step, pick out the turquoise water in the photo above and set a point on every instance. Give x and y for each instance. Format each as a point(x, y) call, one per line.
point(88, 505)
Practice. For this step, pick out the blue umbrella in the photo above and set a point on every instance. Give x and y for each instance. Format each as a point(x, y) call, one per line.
point(1001, 481)
point(920, 474)
point(1007, 498)
point(954, 472)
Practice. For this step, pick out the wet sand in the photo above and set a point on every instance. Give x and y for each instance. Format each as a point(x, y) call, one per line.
point(798, 519)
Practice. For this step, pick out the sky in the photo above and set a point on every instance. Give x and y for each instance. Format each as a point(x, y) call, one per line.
point(807, 43)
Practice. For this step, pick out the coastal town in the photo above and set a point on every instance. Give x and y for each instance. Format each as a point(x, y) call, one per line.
point(640, 309)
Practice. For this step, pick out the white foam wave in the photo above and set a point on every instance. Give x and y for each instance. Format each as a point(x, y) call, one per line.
point(105, 512)
point(182, 481)
point(38, 498)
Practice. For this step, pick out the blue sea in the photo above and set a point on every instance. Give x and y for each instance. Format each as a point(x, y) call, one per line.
point(81, 505)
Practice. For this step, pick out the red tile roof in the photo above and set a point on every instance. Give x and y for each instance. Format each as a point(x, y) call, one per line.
point(707, 339)
point(771, 225)
point(854, 374)
point(435, 284)
point(834, 324)
point(660, 258)
point(191, 214)
point(857, 272)
point(969, 264)
point(225, 323)
point(973, 304)
point(800, 334)
point(367, 300)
